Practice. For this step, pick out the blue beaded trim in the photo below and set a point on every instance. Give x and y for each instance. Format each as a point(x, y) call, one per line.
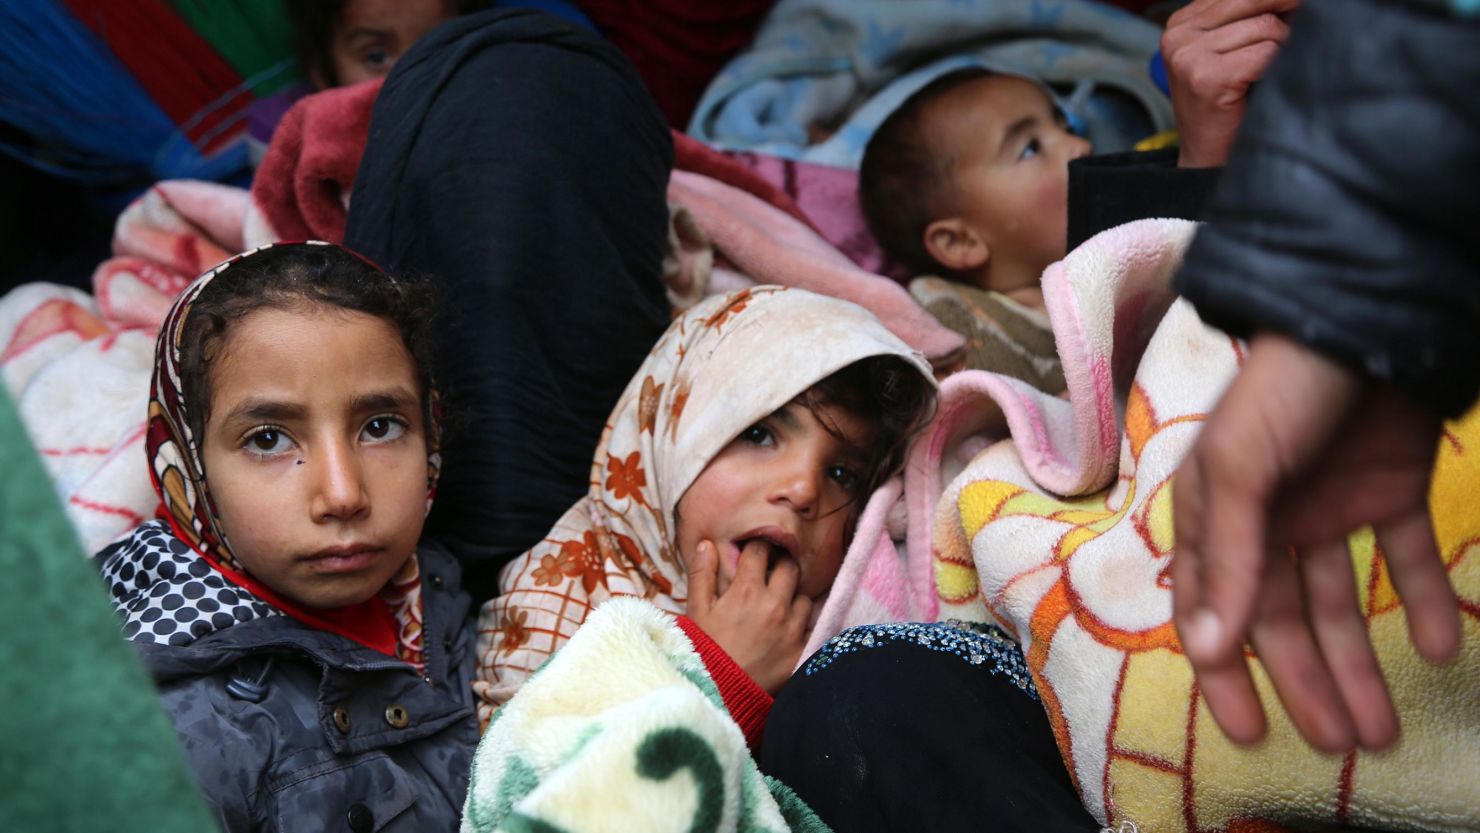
point(975, 642)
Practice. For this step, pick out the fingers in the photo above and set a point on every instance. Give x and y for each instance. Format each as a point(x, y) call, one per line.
point(1421, 581)
point(1210, 14)
point(751, 568)
point(1341, 634)
point(782, 582)
point(1264, 28)
point(702, 570)
point(1282, 637)
point(1222, 672)
point(1232, 541)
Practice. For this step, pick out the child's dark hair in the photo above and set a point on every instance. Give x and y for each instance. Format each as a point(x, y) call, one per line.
point(903, 174)
point(890, 395)
point(297, 276)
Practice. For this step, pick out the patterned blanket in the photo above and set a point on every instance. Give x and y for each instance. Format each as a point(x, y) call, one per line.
point(623, 731)
point(822, 74)
point(1051, 517)
point(78, 365)
point(1063, 535)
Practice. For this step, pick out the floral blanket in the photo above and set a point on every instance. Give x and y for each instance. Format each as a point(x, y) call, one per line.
point(1051, 517)
point(1062, 533)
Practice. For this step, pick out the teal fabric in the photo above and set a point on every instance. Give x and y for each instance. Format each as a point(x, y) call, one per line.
point(86, 746)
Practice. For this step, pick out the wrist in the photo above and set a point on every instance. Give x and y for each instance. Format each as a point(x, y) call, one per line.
point(747, 702)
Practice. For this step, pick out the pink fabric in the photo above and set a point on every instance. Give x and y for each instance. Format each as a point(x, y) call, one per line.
point(78, 366)
point(1104, 302)
point(828, 196)
point(771, 247)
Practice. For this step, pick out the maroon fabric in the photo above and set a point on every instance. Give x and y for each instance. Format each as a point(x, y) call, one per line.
point(678, 45)
point(178, 68)
point(694, 156)
point(304, 180)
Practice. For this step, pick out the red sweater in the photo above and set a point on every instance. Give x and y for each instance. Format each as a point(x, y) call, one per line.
point(748, 702)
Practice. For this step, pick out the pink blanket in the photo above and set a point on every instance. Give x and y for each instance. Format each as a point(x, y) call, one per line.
point(78, 366)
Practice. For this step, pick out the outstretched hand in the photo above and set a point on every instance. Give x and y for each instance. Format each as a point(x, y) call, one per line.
point(1214, 51)
point(1298, 454)
point(761, 621)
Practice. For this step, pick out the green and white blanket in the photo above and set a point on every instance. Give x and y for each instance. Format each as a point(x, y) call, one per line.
point(623, 731)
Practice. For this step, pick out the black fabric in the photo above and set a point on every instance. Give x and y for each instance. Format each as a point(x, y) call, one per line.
point(1116, 188)
point(521, 161)
point(905, 737)
point(1345, 217)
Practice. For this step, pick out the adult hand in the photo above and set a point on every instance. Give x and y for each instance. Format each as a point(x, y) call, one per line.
point(760, 621)
point(1214, 51)
point(1299, 453)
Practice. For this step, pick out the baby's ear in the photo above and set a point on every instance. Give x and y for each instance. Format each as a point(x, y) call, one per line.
point(954, 244)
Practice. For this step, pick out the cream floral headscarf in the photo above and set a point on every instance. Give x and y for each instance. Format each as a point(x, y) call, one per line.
point(720, 368)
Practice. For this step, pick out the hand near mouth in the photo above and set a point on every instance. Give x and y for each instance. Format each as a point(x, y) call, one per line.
point(758, 618)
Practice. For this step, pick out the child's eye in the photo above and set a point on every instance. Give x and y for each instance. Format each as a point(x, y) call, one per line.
point(758, 434)
point(383, 429)
point(1030, 150)
point(845, 477)
point(378, 60)
point(267, 442)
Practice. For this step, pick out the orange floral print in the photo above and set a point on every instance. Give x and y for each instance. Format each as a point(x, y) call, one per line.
point(511, 625)
point(626, 478)
point(549, 572)
point(585, 559)
point(675, 411)
point(647, 405)
point(737, 305)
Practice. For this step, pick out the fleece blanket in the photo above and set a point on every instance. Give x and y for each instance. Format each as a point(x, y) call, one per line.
point(796, 92)
point(78, 365)
point(765, 245)
point(623, 731)
point(1051, 517)
point(1062, 534)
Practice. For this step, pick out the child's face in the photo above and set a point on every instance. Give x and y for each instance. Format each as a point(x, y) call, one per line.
point(786, 480)
point(371, 34)
point(315, 451)
point(1010, 177)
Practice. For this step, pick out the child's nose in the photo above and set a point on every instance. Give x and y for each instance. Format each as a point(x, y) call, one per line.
point(1079, 147)
point(799, 487)
point(341, 486)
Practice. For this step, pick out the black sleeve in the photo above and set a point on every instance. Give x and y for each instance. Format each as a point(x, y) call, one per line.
point(1117, 188)
point(520, 161)
point(1346, 217)
point(900, 735)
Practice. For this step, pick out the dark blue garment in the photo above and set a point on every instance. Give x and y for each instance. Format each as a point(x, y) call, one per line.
point(910, 727)
point(520, 161)
point(1345, 218)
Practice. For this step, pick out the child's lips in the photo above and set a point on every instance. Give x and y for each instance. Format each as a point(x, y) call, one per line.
point(345, 558)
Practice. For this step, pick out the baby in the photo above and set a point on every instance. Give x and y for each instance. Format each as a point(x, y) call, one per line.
point(315, 659)
point(725, 488)
point(969, 177)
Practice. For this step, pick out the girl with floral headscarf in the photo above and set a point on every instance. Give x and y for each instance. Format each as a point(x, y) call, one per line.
point(314, 658)
point(724, 487)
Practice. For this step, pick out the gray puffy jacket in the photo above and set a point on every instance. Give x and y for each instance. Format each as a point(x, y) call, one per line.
point(289, 728)
point(1346, 216)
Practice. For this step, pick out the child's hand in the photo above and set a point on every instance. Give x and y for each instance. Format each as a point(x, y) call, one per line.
point(1214, 51)
point(761, 622)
